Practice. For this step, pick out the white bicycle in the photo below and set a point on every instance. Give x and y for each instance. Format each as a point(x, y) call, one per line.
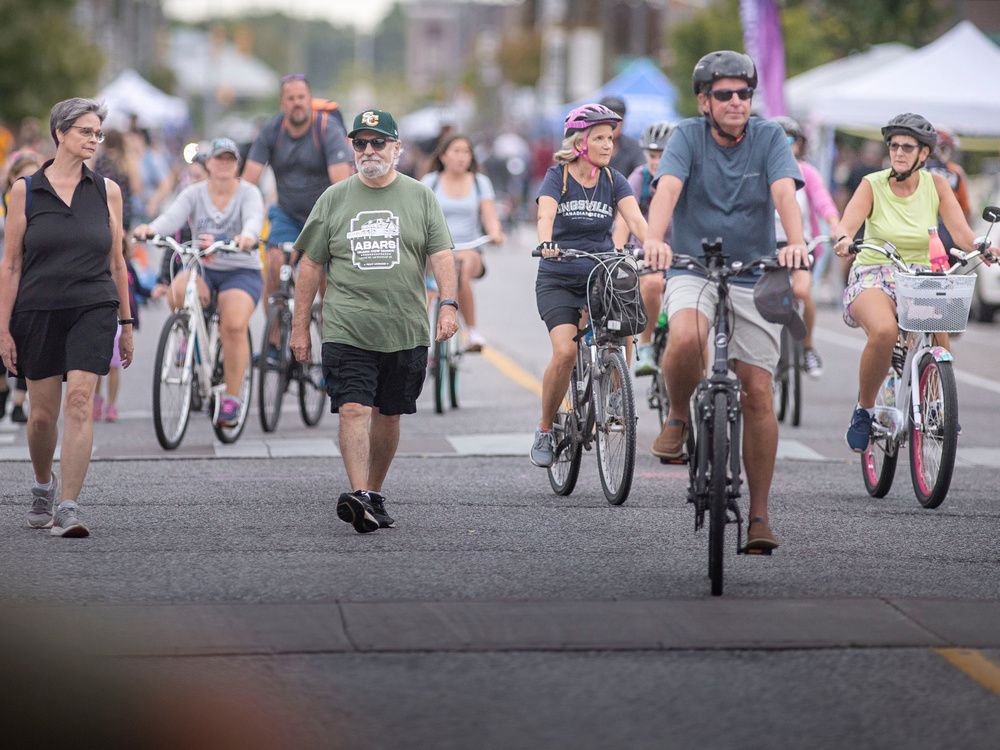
point(188, 371)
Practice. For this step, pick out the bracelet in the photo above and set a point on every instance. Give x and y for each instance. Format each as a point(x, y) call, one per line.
point(126, 322)
point(841, 237)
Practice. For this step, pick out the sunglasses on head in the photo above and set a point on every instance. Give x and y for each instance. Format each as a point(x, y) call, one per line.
point(906, 148)
point(360, 144)
point(724, 95)
point(293, 77)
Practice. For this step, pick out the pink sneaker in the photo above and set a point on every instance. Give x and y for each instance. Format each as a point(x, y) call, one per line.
point(98, 408)
point(111, 413)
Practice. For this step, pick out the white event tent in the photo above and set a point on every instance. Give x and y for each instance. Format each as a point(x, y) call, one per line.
point(131, 94)
point(952, 81)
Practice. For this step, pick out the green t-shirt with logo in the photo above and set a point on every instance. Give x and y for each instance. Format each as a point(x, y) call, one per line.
point(377, 241)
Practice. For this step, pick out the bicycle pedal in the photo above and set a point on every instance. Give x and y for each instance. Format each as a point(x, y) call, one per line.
point(679, 461)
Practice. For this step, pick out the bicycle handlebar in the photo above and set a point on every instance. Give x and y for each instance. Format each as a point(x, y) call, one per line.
point(476, 243)
point(189, 248)
point(569, 252)
point(736, 268)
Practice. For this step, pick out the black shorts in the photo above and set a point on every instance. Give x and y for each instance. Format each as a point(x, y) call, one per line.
point(389, 381)
point(53, 342)
point(560, 297)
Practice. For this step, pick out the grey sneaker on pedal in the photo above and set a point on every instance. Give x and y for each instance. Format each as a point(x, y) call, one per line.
point(40, 515)
point(377, 500)
point(67, 523)
point(355, 508)
point(543, 449)
point(812, 363)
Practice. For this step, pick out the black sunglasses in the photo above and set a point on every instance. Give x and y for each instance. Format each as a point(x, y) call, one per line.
point(906, 148)
point(360, 144)
point(724, 95)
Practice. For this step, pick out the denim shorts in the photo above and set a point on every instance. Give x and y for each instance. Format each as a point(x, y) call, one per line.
point(247, 279)
point(283, 227)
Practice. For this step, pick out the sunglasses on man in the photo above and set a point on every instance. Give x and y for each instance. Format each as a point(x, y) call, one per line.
point(377, 144)
point(724, 95)
point(906, 148)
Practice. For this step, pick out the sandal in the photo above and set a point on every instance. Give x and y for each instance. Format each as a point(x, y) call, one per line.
point(760, 538)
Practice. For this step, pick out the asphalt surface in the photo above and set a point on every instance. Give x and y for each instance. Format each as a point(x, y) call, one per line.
point(500, 615)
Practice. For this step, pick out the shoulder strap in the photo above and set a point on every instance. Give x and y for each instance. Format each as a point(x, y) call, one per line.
point(27, 198)
point(565, 177)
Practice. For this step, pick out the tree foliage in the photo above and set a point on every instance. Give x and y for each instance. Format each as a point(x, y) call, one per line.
point(44, 57)
point(815, 32)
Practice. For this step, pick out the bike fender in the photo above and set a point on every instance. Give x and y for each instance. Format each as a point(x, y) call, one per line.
point(941, 354)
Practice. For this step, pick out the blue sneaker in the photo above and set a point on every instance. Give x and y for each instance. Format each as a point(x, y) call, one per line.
point(860, 432)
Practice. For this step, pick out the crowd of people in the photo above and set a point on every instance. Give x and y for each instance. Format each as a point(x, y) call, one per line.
point(365, 234)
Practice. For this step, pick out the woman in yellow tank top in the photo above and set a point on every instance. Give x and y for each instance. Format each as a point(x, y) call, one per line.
point(898, 205)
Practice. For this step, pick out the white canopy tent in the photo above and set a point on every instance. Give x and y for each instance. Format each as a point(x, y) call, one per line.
point(131, 94)
point(805, 90)
point(952, 81)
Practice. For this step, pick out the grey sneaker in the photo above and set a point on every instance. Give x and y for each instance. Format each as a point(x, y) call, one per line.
point(67, 524)
point(543, 450)
point(40, 515)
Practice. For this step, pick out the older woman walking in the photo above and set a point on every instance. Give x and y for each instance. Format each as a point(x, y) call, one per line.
point(63, 292)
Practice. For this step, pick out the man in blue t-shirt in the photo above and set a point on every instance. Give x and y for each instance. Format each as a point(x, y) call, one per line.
point(724, 175)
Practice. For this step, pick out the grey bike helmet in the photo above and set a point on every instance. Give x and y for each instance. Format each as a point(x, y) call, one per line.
point(723, 64)
point(654, 137)
point(914, 125)
point(790, 126)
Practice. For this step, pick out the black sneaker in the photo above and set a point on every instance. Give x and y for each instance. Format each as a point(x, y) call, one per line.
point(377, 500)
point(355, 509)
point(17, 414)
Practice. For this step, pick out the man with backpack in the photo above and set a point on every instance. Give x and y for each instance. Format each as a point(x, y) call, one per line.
point(306, 146)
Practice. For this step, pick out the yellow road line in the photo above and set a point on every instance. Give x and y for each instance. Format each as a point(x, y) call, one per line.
point(512, 370)
point(975, 666)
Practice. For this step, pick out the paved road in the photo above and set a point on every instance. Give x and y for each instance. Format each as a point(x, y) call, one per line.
point(499, 615)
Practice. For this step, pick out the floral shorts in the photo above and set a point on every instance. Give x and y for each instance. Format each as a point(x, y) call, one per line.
point(871, 277)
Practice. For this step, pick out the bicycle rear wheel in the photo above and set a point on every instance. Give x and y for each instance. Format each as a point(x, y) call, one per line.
point(565, 469)
point(795, 366)
point(454, 357)
point(781, 378)
point(933, 447)
point(312, 382)
point(717, 497)
point(613, 400)
point(878, 461)
point(172, 382)
point(232, 434)
point(274, 363)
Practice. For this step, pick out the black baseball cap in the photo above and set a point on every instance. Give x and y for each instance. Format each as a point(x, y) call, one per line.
point(775, 302)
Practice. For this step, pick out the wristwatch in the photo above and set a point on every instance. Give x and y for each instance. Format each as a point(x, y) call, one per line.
point(126, 322)
point(452, 302)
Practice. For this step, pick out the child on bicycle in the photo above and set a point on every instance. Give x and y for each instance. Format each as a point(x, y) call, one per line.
point(897, 205)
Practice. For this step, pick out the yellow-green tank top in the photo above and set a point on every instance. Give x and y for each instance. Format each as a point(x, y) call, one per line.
point(901, 221)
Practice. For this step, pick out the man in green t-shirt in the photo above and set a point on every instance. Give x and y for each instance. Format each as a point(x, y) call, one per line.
point(377, 230)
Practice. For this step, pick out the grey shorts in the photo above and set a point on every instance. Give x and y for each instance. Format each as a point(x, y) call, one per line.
point(753, 340)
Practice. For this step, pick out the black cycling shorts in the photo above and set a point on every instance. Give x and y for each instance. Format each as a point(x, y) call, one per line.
point(560, 297)
point(389, 381)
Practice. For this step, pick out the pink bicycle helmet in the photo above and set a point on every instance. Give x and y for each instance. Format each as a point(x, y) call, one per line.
point(589, 115)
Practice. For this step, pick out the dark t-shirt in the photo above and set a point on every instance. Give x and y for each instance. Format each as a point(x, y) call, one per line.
point(628, 155)
point(300, 164)
point(727, 189)
point(584, 216)
point(66, 258)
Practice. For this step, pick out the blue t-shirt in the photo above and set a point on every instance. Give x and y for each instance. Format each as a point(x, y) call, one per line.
point(584, 216)
point(727, 190)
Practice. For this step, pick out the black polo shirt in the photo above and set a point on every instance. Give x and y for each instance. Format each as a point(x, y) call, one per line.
point(65, 259)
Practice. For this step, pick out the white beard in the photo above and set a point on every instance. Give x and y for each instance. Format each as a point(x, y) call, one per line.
point(373, 168)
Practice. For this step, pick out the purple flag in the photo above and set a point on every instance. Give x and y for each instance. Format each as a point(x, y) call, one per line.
point(764, 43)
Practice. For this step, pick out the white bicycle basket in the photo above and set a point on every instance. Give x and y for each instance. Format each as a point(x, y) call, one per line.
point(934, 303)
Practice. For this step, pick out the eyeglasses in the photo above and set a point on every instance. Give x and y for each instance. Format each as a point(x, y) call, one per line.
point(377, 144)
point(906, 148)
point(724, 95)
point(89, 133)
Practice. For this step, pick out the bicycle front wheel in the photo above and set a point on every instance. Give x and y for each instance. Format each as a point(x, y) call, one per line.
point(781, 378)
point(312, 382)
point(615, 406)
point(717, 497)
point(274, 362)
point(795, 366)
point(232, 434)
point(172, 382)
point(933, 446)
point(454, 356)
point(565, 469)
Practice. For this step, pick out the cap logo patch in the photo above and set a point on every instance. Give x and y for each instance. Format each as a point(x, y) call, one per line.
point(370, 119)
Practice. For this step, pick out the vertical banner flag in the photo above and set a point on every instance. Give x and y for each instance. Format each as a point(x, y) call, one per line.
point(763, 41)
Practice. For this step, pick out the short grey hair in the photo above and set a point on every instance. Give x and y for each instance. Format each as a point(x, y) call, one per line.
point(67, 112)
